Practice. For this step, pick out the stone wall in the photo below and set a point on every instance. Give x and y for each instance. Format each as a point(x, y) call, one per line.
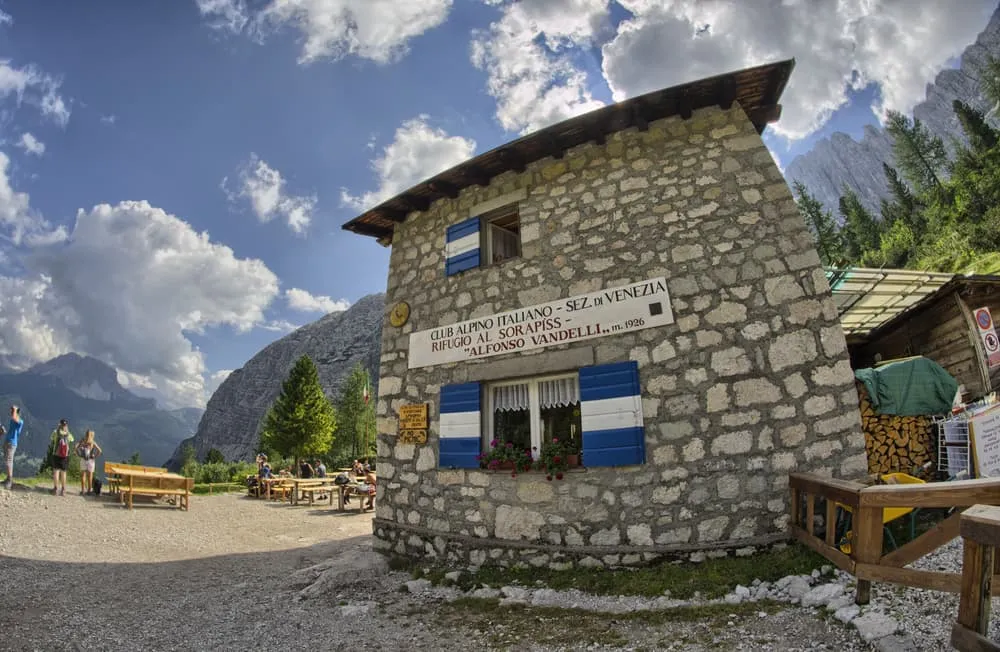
point(750, 382)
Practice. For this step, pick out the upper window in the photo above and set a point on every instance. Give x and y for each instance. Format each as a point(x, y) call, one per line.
point(529, 413)
point(502, 234)
point(488, 238)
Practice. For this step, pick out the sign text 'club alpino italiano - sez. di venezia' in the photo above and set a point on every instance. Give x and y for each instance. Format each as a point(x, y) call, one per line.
point(632, 307)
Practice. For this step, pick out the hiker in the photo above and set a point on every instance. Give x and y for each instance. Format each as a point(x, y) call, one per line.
point(61, 439)
point(88, 450)
point(10, 442)
point(370, 489)
point(305, 469)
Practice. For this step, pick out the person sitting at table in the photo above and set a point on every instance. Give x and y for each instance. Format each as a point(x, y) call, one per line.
point(370, 487)
point(265, 471)
point(305, 469)
point(356, 468)
point(367, 467)
point(285, 472)
point(320, 469)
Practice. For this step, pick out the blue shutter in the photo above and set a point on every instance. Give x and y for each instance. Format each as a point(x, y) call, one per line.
point(611, 412)
point(459, 436)
point(461, 249)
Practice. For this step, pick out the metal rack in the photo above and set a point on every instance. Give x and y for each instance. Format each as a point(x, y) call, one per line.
point(953, 445)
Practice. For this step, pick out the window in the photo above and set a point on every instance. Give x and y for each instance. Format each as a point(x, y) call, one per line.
point(528, 413)
point(502, 234)
point(598, 408)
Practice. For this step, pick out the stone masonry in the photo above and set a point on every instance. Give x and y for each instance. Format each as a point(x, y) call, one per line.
point(752, 380)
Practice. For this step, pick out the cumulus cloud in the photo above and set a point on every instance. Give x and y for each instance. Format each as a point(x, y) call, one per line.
point(28, 83)
point(303, 301)
point(379, 30)
point(527, 56)
point(214, 380)
point(127, 286)
point(264, 187)
point(31, 145)
point(898, 44)
point(19, 223)
point(418, 151)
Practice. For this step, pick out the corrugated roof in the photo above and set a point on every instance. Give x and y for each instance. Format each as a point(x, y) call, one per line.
point(869, 298)
point(757, 90)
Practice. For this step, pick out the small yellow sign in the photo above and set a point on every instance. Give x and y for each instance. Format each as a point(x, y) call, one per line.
point(399, 314)
point(413, 436)
point(413, 417)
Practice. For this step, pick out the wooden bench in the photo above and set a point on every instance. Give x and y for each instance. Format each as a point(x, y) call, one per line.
point(111, 472)
point(347, 490)
point(310, 489)
point(138, 483)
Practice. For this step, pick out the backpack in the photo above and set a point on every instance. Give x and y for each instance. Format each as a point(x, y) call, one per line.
point(97, 486)
point(341, 479)
point(62, 447)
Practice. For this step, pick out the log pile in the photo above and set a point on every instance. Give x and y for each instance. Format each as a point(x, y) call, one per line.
point(895, 443)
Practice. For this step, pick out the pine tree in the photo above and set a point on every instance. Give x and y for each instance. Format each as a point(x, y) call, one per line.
point(981, 135)
point(861, 232)
point(214, 456)
point(920, 156)
point(821, 224)
point(301, 421)
point(904, 205)
point(355, 416)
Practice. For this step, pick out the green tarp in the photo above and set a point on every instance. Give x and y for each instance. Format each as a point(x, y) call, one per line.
point(914, 387)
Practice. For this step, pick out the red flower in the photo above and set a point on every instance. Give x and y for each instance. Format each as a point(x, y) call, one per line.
point(559, 476)
point(514, 474)
point(557, 459)
point(549, 478)
point(555, 440)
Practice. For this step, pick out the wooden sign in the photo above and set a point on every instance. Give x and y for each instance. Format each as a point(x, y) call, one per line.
point(413, 436)
point(413, 417)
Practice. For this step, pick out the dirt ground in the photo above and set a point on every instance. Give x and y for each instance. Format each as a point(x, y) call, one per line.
point(85, 574)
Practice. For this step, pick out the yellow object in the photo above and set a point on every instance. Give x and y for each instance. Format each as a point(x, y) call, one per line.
point(889, 514)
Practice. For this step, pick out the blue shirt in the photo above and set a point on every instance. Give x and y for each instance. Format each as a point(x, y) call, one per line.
point(13, 430)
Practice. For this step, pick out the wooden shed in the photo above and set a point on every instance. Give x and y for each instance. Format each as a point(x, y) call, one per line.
point(890, 314)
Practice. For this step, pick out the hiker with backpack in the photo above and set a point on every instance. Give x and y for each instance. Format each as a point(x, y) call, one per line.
point(9, 437)
point(88, 451)
point(61, 439)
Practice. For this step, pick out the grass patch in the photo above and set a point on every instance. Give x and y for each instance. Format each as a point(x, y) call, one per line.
point(712, 578)
point(510, 625)
point(218, 488)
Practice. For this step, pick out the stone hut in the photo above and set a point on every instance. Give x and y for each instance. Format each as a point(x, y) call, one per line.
point(636, 281)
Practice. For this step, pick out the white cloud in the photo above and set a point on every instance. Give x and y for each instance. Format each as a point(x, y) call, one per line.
point(303, 301)
point(5, 18)
point(264, 187)
point(127, 287)
point(109, 119)
point(898, 44)
point(31, 145)
point(527, 57)
point(37, 87)
point(379, 30)
point(417, 152)
point(19, 223)
point(279, 326)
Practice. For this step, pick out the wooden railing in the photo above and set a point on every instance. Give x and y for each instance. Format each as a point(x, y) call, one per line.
point(980, 529)
point(810, 492)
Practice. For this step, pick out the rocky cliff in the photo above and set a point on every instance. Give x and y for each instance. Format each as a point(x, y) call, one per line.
point(234, 413)
point(840, 160)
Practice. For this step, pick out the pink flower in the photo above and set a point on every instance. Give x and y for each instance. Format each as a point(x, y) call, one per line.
point(493, 443)
point(510, 445)
point(555, 440)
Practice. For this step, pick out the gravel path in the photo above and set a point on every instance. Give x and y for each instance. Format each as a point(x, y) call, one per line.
point(235, 574)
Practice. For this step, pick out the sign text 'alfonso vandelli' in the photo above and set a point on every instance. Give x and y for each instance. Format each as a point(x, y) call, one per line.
point(633, 307)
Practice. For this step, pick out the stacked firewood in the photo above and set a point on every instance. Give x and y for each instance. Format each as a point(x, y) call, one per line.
point(894, 443)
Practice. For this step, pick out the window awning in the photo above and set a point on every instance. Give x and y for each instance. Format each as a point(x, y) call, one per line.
point(868, 298)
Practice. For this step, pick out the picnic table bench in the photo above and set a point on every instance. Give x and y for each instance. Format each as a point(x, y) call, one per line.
point(142, 483)
point(112, 470)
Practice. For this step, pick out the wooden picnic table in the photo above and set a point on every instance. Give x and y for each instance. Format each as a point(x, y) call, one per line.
point(310, 485)
point(148, 483)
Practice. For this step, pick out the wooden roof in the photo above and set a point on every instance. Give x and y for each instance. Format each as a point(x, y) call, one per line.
point(756, 89)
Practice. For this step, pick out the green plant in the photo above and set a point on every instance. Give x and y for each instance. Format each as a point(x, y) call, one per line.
point(214, 456)
point(301, 421)
point(554, 457)
point(501, 452)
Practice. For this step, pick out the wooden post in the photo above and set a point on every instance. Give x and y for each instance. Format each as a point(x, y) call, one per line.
point(977, 575)
point(795, 506)
point(867, 545)
point(811, 513)
point(831, 522)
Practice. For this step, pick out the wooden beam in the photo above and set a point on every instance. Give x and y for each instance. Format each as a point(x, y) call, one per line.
point(414, 202)
point(966, 640)
point(513, 159)
point(727, 93)
point(476, 175)
point(977, 576)
point(553, 147)
point(638, 118)
point(392, 214)
point(684, 109)
point(444, 188)
point(839, 559)
point(957, 493)
point(927, 542)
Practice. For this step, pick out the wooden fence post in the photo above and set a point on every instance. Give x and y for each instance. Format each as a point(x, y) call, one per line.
point(867, 545)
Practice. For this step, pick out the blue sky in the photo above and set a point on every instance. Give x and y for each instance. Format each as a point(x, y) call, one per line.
point(163, 101)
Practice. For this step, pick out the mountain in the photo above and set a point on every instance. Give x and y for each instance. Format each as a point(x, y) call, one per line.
point(86, 392)
point(336, 342)
point(840, 160)
point(91, 378)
